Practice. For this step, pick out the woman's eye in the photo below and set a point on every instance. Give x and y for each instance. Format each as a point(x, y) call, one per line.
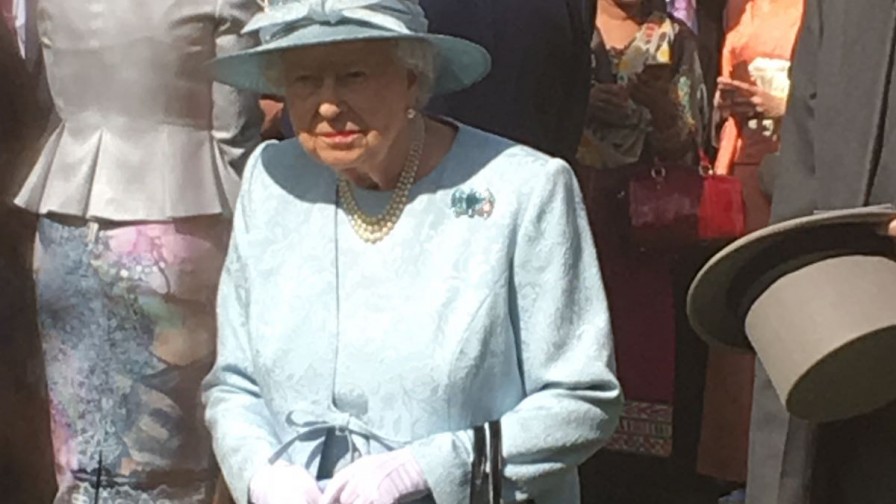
point(356, 74)
point(303, 79)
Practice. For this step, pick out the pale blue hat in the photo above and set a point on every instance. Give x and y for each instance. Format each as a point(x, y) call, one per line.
point(287, 24)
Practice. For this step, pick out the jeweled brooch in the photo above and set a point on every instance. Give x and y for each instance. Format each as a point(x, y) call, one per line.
point(473, 203)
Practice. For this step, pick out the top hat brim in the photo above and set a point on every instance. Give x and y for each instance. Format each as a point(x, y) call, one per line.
point(459, 63)
point(723, 290)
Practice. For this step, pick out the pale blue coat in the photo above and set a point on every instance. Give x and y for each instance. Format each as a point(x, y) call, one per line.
point(449, 322)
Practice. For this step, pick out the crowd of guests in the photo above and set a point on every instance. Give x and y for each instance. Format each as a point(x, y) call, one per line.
point(306, 272)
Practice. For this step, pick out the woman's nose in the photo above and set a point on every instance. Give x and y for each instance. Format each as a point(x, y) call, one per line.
point(329, 109)
point(330, 104)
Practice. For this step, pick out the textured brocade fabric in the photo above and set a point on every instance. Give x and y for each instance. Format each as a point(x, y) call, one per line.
point(128, 332)
point(451, 321)
point(144, 134)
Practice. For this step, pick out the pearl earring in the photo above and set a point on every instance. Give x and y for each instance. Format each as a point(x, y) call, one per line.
point(412, 113)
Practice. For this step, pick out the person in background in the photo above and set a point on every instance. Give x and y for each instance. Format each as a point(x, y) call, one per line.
point(734, 9)
point(26, 103)
point(274, 116)
point(639, 113)
point(26, 468)
point(276, 125)
point(684, 10)
point(538, 86)
point(341, 376)
point(750, 102)
point(837, 151)
point(20, 16)
point(711, 20)
point(134, 191)
point(752, 93)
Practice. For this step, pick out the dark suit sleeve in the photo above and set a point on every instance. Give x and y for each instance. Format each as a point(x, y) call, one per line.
point(792, 171)
point(571, 120)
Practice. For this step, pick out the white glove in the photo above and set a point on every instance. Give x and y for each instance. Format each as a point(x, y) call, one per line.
point(387, 478)
point(283, 483)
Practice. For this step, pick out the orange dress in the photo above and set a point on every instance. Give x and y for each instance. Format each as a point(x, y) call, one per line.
point(764, 29)
point(734, 9)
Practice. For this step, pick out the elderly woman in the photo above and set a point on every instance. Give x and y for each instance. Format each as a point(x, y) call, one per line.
point(395, 281)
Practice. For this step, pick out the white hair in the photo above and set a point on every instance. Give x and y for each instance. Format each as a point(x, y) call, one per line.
point(419, 57)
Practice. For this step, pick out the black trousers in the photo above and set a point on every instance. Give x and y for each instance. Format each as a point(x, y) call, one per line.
point(855, 461)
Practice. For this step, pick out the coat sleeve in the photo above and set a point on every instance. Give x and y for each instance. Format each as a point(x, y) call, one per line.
point(565, 354)
point(792, 171)
point(236, 116)
point(682, 141)
point(241, 427)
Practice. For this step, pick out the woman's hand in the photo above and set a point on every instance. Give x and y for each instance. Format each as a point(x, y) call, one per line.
point(728, 104)
point(283, 483)
point(609, 101)
point(891, 229)
point(743, 99)
point(387, 478)
point(652, 89)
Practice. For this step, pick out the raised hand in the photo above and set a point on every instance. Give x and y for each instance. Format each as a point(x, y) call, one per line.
point(737, 98)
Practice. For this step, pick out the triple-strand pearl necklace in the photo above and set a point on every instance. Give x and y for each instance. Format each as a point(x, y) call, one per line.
point(372, 229)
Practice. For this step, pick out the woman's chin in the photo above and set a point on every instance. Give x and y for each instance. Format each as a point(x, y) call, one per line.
point(340, 160)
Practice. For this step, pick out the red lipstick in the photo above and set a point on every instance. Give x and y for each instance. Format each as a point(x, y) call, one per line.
point(340, 137)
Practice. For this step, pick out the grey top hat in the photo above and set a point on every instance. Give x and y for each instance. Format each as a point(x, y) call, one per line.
point(815, 298)
point(288, 24)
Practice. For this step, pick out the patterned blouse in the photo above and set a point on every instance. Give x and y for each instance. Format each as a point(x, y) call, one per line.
point(610, 142)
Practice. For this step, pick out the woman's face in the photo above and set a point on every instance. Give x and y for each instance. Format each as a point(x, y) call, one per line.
point(348, 103)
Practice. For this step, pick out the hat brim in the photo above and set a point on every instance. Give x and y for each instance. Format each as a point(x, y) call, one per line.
point(459, 63)
point(717, 296)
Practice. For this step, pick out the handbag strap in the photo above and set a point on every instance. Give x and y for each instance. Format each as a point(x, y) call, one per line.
point(495, 462)
point(477, 473)
point(706, 166)
point(487, 472)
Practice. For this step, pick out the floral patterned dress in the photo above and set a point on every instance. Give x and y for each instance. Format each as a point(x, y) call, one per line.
point(611, 142)
point(127, 324)
point(640, 285)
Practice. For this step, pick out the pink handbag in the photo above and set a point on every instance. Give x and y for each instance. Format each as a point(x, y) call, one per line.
point(674, 206)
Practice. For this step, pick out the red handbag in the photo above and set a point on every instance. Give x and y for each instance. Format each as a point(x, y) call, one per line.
point(674, 206)
point(723, 214)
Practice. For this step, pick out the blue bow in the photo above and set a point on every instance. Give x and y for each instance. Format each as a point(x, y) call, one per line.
point(344, 424)
point(280, 16)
